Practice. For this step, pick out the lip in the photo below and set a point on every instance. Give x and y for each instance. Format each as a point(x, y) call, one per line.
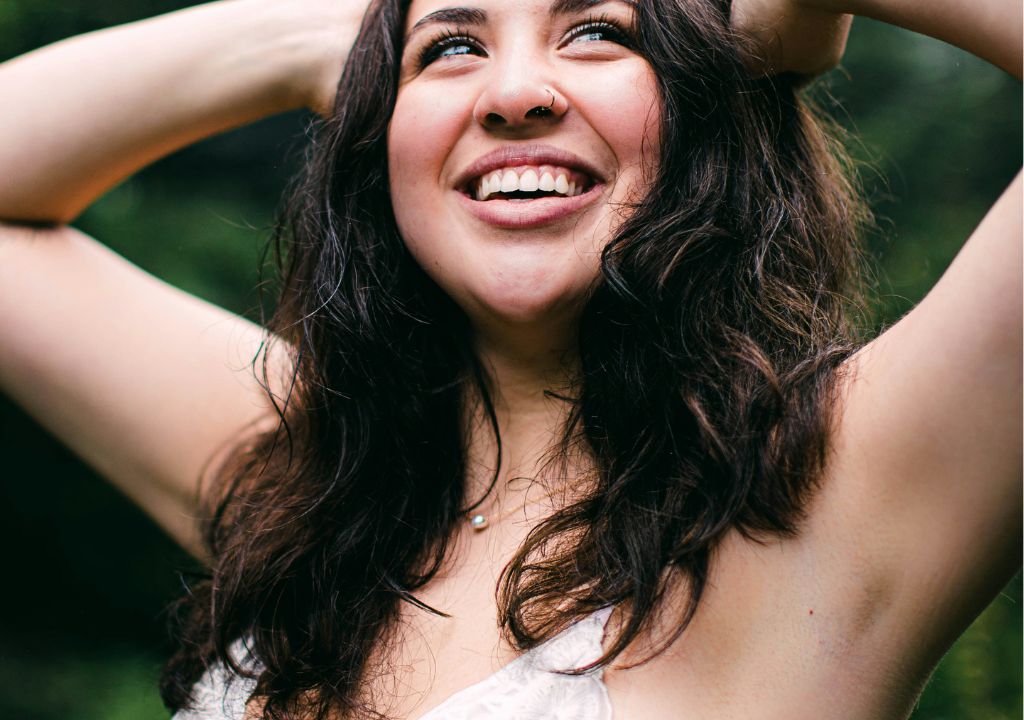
point(513, 155)
point(520, 214)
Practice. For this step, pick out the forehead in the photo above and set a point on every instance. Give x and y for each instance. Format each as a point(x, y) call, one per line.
point(427, 12)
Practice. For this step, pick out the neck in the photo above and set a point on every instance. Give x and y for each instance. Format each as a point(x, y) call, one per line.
point(527, 370)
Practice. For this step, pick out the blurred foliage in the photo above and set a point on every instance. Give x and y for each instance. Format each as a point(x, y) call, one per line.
point(83, 634)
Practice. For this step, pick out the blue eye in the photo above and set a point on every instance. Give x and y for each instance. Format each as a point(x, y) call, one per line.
point(448, 45)
point(455, 50)
point(596, 31)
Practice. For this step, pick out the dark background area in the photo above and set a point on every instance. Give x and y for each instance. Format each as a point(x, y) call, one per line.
point(87, 577)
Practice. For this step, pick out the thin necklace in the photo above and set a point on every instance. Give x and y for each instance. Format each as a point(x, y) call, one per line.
point(479, 522)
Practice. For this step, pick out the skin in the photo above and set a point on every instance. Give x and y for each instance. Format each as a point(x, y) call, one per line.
point(605, 110)
point(522, 288)
point(917, 524)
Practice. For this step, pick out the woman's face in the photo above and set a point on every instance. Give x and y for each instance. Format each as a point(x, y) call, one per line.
point(520, 130)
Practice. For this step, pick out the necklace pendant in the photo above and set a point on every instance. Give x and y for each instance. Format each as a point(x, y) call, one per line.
point(478, 522)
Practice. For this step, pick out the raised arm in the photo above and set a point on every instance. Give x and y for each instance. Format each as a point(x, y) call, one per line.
point(82, 114)
point(809, 36)
point(921, 503)
point(143, 381)
point(990, 29)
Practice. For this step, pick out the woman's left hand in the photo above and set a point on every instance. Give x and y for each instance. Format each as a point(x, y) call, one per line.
point(791, 35)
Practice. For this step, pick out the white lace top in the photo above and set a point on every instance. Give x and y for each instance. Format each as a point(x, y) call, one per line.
point(528, 687)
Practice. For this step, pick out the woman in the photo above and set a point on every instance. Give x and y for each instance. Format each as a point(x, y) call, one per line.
point(561, 315)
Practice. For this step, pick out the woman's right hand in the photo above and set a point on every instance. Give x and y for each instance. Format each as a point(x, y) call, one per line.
point(335, 24)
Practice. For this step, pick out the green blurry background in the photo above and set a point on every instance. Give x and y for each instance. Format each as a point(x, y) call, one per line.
point(82, 622)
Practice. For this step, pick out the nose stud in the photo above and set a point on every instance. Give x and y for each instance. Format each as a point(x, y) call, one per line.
point(543, 110)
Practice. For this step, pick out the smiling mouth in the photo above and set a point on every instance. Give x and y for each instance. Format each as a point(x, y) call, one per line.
point(526, 183)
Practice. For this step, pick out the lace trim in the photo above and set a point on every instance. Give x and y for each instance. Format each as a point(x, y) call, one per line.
point(530, 686)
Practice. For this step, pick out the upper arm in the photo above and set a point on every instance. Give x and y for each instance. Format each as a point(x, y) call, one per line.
point(143, 381)
point(924, 481)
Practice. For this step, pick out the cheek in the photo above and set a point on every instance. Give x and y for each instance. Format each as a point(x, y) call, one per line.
point(424, 127)
point(625, 109)
point(614, 105)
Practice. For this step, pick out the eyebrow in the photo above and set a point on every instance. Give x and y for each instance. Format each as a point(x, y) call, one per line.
point(452, 15)
point(569, 7)
point(472, 16)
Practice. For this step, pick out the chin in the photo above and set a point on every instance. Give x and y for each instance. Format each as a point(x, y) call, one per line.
point(508, 278)
point(521, 296)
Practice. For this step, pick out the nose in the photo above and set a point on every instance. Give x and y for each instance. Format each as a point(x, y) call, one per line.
point(515, 100)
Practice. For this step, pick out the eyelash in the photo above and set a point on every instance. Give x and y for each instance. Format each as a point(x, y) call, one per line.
point(433, 49)
point(619, 34)
point(449, 38)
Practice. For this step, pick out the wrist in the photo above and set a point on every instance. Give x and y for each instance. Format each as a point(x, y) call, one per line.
point(308, 43)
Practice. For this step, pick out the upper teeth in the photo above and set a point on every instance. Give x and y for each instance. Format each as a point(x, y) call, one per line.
point(530, 179)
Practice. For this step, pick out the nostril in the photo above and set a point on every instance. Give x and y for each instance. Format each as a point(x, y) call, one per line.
point(494, 119)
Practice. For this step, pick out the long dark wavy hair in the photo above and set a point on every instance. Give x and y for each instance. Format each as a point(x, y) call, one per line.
point(709, 355)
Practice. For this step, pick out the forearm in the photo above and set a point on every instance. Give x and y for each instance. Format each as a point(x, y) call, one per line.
point(82, 114)
point(990, 29)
